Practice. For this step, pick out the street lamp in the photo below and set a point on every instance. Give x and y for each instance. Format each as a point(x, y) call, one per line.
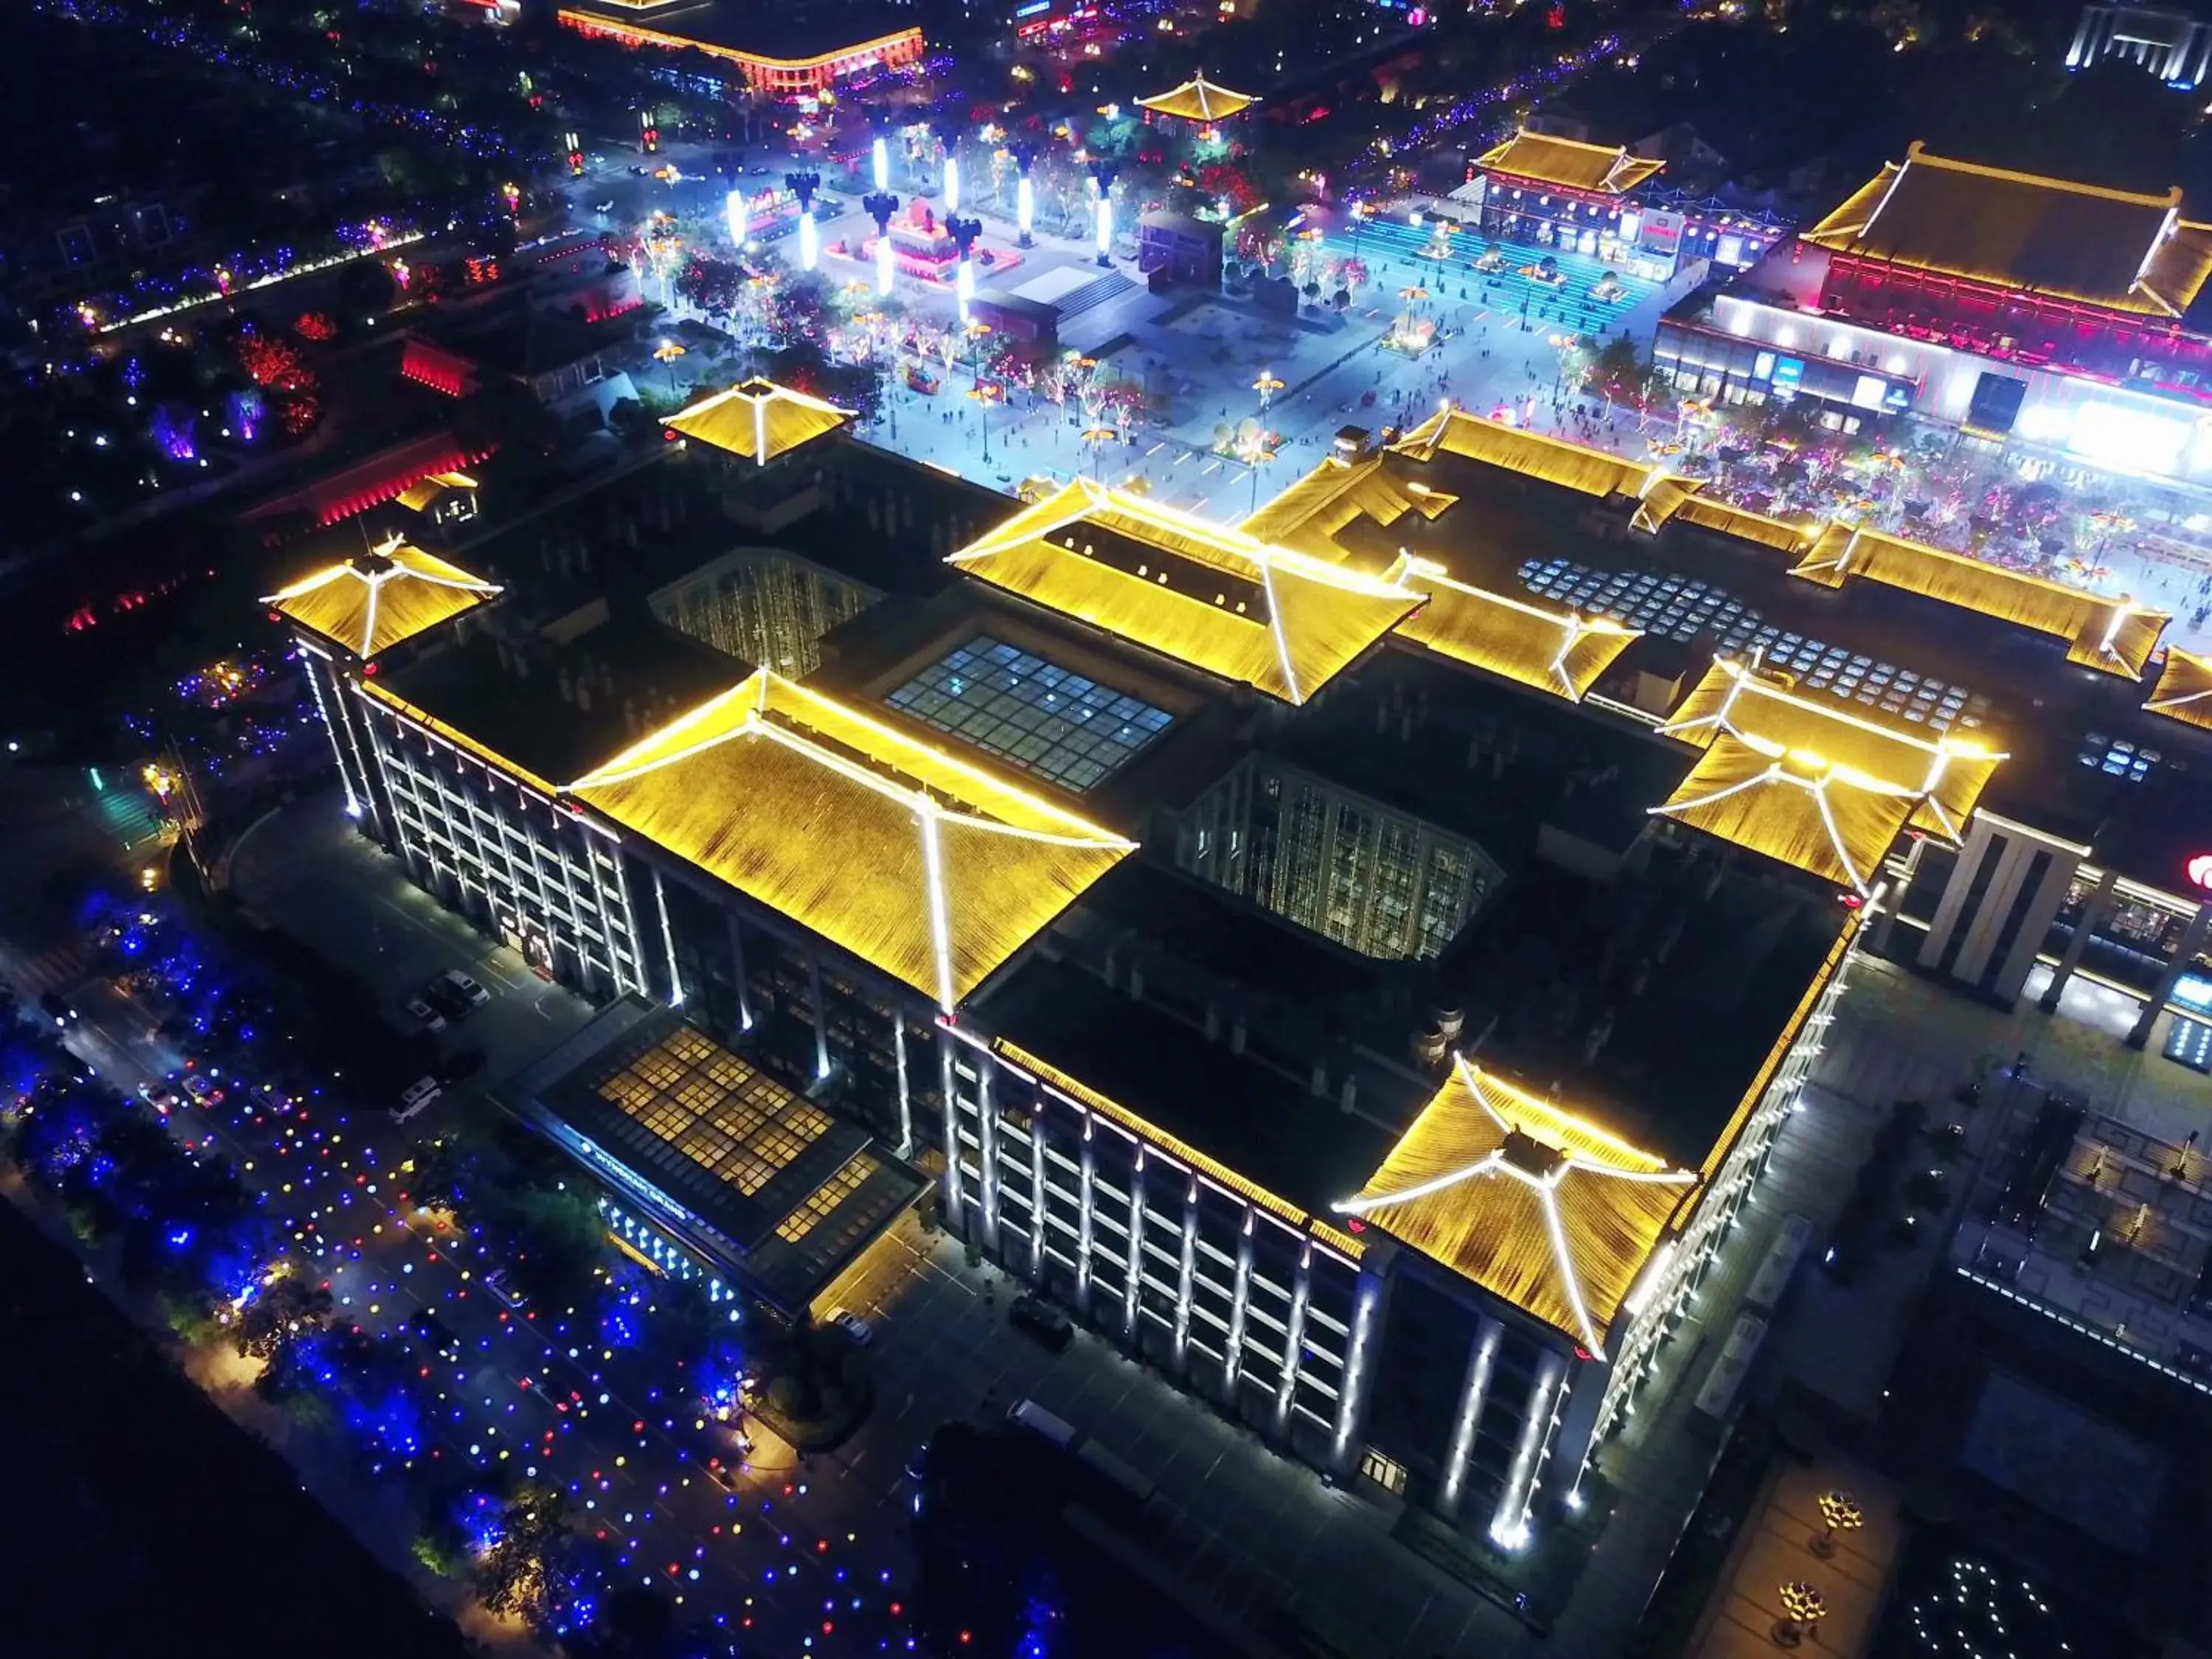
point(803, 186)
point(964, 233)
point(1267, 385)
point(880, 204)
point(1839, 1512)
point(977, 393)
point(1802, 1608)
point(668, 351)
point(1358, 223)
point(1102, 187)
point(1025, 195)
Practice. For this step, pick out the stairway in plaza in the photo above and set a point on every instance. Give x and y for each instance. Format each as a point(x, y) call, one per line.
point(1106, 285)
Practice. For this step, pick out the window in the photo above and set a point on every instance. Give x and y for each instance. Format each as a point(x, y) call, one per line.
point(1385, 1472)
point(1047, 720)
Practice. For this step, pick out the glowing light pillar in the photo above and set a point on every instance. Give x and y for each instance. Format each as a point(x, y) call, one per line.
point(803, 186)
point(1294, 1336)
point(1186, 1269)
point(1239, 1301)
point(1359, 1359)
point(952, 182)
point(1025, 195)
point(1037, 1198)
point(1088, 1234)
point(1508, 1527)
point(880, 205)
point(1473, 1395)
point(879, 163)
point(952, 1196)
point(1133, 1268)
point(1101, 194)
point(964, 233)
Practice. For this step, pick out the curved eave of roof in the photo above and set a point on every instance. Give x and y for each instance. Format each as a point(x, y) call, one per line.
point(1565, 1246)
point(1823, 816)
point(758, 419)
point(2183, 691)
point(1545, 647)
point(921, 864)
point(1946, 775)
point(1543, 158)
point(1198, 99)
point(365, 613)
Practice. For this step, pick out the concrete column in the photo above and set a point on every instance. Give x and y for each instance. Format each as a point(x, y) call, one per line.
point(2035, 928)
point(1240, 1302)
point(1087, 1192)
point(2095, 909)
point(1508, 1526)
point(1038, 1197)
point(1473, 1395)
point(1133, 1271)
point(1998, 896)
point(745, 995)
point(953, 1197)
point(1894, 900)
point(1369, 1307)
point(821, 1016)
point(1294, 1336)
point(2192, 941)
point(1186, 1270)
point(1980, 844)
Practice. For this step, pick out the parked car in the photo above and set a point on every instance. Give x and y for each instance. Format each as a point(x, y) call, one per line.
point(1036, 1317)
point(160, 1096)
point(415, 1098)
point(500, 1284)
point(464, 1063)
point(202, 1089)
point(435, 1334)
point(420, 1010)
point(464, 987)
point(852, 1324)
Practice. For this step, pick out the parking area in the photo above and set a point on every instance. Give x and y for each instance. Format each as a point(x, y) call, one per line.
point(305, 870)
point(1236, 1528)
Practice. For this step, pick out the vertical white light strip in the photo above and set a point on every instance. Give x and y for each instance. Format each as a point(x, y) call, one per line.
point(941, 926)
point(952, 1199)
point(905, 1100)
point(1038, 1197)
point(1134, 1277)
point(668, 942)
point(1185, 1271)
point(1348, 1402)
point(1294, 1334)
point(1089, 1192)
point(1508, 1527)
point(1239, 1301)
point(331, 730)
point(630, 921)
point(987, 1143)
point(1480, 1360)
point(745, 1008)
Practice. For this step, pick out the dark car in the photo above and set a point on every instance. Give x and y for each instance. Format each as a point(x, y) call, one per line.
point(466, 1063)
point(58, 1008)
point(434, 1334)
point(1040, 1319)
point(447, 1001)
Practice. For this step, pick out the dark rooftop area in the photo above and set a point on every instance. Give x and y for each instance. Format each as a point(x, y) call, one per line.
point(558, 710)
point(511, 336)
point(1265, 1124)
point(1650, 1004)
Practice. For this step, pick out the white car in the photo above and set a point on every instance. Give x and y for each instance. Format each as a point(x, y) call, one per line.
point(160, 1096)
point(462, 986)
point(498, 1285)
point(853, 1325)
point(420, 1010)
point(415, 1098)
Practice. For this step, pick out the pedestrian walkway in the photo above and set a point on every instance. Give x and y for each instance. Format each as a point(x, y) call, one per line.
point(1789, 1542)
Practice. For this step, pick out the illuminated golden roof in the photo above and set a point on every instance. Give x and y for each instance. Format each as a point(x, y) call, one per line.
point(1307, 517)
point(924, 865)
point(1549, 647)
point(433, 488)
point(375, 600)
point(2185, 688)
point(1570, 465)
point(1797, 805)
point(1945, 775)
point(759, 420)
point(1536, 1205)
point(1569, 163)
point(2119, 249)
point(2113, 636)
point(1202, 594)
point(1782, 534)
point(1198, 99)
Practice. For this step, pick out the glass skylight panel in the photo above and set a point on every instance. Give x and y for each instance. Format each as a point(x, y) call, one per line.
point(1048, 720)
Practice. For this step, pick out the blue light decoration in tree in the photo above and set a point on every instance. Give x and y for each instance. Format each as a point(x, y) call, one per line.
point(246, 415)
point(173, 434)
